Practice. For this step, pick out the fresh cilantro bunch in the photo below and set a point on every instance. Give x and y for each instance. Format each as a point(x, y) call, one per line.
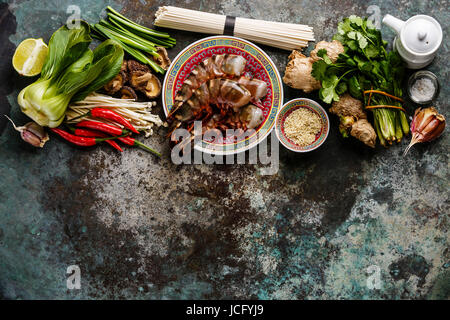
point(364, 65)
point(361, 62)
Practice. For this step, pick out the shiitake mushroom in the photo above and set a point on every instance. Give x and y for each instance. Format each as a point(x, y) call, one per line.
point(133, 66)
point(124, 66)
point(146, 83)
point(163, 59)
point(116, 83)
point(128, 93)
point(135, 76)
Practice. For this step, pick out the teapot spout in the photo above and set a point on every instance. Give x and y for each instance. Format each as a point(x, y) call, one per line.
point(393, 22)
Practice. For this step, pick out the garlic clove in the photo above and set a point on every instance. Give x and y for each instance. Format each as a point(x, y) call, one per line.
point(434, 128)
point(32, 133)
point(31, 138)
point(425, 116)
point(415, 119)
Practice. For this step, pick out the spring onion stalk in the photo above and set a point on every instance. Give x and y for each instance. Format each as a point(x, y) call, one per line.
point(127, 40)
point(136, 40)
point(392, 123)
point(163, 43)
point(136, 26)
point(125, 33)
point(138, 55)
point(71, 71)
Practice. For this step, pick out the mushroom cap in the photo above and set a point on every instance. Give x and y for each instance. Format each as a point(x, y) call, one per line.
point(163, 60)
point(116, 83)
point(146, 82)
point(124, 66)
point(128, 93)
point(133, 66)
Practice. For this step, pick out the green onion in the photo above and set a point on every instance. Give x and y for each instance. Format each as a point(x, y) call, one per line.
point(164, 43)
point(136, 26)
point(136, 40)
point(127, 40)
point(133, 52)
point(132, 37)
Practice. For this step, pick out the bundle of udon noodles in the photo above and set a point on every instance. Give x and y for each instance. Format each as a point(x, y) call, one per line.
point(286, 36)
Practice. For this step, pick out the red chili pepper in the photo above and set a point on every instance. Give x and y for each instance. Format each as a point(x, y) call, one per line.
point(133, 142)
point(110, 115)
point(94, 134)
point(79, 141)
point(103, 127)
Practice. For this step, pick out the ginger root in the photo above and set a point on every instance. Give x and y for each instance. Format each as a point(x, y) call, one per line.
point(364, 132)
point(353, 120)
point(334, 49)
point(298, 70)
point(348, 106)
point(298, 73)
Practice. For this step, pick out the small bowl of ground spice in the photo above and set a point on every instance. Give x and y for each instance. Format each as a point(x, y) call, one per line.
point(302, 125)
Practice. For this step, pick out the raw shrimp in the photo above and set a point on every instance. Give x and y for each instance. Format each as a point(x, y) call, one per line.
point(216, 66)
point(218, 94)
point(225, 94)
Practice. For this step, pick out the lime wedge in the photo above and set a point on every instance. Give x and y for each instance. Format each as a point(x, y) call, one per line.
point(29, 57)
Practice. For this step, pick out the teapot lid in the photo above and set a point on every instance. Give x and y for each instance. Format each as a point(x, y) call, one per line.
point(422, 34)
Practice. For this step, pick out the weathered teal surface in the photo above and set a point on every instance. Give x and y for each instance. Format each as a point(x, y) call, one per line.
point(147, 229)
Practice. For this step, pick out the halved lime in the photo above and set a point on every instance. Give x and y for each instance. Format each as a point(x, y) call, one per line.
point(29, 57)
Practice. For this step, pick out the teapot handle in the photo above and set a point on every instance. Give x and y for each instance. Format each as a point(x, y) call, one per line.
point(393, 22)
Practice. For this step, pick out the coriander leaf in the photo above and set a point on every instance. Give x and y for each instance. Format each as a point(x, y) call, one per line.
point(342, 57)
point(362, 41)
point(323, 54)
point(353, 45)
point(344, 27)
point(352, 35)
point(350, 62)
point(327, 92)
point(370, 24)
point(385, 67)
point(371, 51)
point(366, 67)
point(356, 20)
point(354, 88)
point(374, 34)
point(319, 69)
point(341, 88)
point(339, 37)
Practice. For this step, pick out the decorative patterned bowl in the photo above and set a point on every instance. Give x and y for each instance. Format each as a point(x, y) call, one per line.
point(287, 109)
point(259, 66)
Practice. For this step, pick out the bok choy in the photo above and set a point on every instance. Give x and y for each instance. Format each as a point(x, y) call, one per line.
point(71, 71)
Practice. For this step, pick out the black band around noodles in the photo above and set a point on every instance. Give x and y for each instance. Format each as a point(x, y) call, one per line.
point(228, 29)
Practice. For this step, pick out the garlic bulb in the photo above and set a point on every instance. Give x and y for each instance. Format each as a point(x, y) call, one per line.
point(426, 125)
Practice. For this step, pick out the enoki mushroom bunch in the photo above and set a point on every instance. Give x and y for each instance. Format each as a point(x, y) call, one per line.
point(137, 113)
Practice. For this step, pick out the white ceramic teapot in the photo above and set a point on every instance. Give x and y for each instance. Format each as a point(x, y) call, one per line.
point(417, 39)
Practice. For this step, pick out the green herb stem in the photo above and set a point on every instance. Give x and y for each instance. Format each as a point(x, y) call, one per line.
point(143, 37)
point(127, 40)
point(116, 15)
